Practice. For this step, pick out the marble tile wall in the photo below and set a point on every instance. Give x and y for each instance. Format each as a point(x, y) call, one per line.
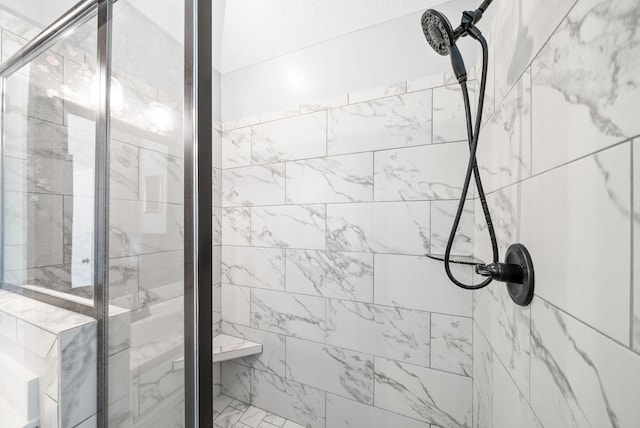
point(59, 348)
point(561, 164)
point(327, 214)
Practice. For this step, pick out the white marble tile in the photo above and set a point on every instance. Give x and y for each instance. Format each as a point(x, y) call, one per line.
point(345, 413)
point(279, 114)
point(380, 92)
point(236, 381)
point(272, 357)
point(41, 172)
point(161, 178)
point(482, 380)
point(49, 413)
point(34, 339)
point(216, 148)
point(381, 227)
point(443, 399)
point(297, 137)
point(588, 227)
point(422, 284)
point(274, 420)
point(119, 370)
point(123, 282)
point(236, 304)
point(325, 104)
point(91, 422)
point(240, 123)
point(510, 408)
point(144, 227)
point(123, 171)
point(398, 121)
point(78, 375)
point(42, 315)
point(221, 402)
point(346, 178)
point(522, 30)
point(228, 418)
point(336, 370)
point(399, 334)
point(254, 267)
point(216, 225)
point(236, 226)
point(253, 416)
point(451, 344)
point(434, 81)
point(434, 171)
point(286, 313)
point(227, 347)
point(449, 123)
point(504, 148)
point(30, 219)
point(216, 187)
point(254, 185)
point(293, 226)
point(506, 327)
point(335, 274)
point(120, 413)
point(161, 276)
point(159, 383)
point(236, 148)
point(579, 113)
point(442, 215)
point(636, 245)
point(8, 326)
point(290, 399)
point(578, 376)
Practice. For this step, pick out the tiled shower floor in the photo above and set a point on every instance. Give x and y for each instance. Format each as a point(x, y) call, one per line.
point(230, 413)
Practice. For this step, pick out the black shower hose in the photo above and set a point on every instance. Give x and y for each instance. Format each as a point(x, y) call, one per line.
point(472, 167)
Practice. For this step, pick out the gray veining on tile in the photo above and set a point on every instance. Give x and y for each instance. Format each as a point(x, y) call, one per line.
point(600, 96)
point(331, 369)
point(346, 178)
point(451, 344)
point(398, 121)
point(422, 393)
point(254, 185)
point(335, 274)
point(400, 334)
point(286, 313)
point(291, 226)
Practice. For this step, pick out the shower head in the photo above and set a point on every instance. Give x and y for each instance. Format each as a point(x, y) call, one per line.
point(438, 31)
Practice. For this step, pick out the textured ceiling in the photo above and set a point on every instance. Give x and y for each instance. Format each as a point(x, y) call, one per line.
point(258, 30)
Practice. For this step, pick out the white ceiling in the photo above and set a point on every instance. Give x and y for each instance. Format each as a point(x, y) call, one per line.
point(258, 30)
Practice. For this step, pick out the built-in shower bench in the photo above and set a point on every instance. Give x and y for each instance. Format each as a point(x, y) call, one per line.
point(226, 347)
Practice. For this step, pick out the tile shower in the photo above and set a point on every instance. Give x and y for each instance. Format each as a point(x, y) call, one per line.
point(328, 208)
point(321, 211)
point(322, 216)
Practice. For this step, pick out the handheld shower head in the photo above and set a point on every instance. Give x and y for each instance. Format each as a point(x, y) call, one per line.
point(438, 31)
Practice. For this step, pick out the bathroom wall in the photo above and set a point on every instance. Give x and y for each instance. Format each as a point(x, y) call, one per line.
point(393, 51)
point(560, 164)
point(328, 210)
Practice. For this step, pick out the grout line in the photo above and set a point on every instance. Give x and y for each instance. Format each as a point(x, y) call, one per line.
point(347, 300)
point(374, 150)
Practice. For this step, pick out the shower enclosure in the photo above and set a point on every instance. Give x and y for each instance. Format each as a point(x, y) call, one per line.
point(101, 171)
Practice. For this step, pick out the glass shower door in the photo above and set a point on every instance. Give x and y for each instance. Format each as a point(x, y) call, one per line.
point(146, 248)
point(48, 334)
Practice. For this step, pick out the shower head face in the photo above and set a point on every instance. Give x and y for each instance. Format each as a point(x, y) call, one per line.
point(438, 31)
